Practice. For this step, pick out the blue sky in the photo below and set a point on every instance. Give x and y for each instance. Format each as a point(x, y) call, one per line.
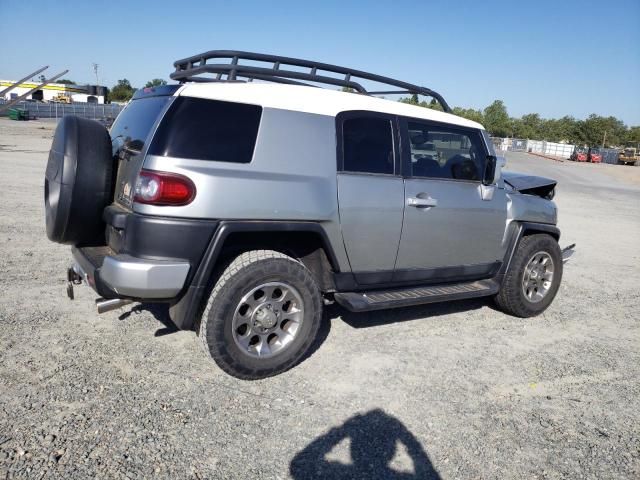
point(551, 57)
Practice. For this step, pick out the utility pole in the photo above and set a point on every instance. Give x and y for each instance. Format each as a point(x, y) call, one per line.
point(95, 70)
point(604, 139)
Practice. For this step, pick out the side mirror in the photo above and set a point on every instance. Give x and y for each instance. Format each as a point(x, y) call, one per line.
point(489, 170)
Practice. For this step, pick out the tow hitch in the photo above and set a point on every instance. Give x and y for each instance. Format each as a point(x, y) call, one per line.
point(72, 279)
point(567, 252)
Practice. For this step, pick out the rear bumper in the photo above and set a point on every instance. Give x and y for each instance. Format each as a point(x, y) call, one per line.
point(120, 275)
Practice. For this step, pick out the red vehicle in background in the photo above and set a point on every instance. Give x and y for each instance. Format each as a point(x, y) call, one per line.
point(594, 155)
point(579, 155)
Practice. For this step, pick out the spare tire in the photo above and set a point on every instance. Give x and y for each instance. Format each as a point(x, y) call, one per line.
point(78, 181)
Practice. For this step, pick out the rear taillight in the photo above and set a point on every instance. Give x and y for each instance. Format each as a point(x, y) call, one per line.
point(163, 188)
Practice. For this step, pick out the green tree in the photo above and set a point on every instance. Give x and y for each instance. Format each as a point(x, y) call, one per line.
point(596, 130)
point(434, 105)
point(122, 91)
point(496, 119)
point(66, 81)
point(633, 135)
point(156, 82)
point(530, 126)
point(469, 113)
point(415, 100)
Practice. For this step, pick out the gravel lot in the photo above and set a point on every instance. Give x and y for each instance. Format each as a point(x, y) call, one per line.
point(441, 391)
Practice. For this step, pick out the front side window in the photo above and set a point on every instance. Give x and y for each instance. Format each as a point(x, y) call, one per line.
point(368, 145)
point(443, 152)
point(208, 130)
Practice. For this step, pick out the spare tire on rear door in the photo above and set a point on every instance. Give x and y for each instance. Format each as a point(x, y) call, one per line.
point(78, 181)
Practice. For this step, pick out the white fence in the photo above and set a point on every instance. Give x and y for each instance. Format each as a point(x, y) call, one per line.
point(534, 146)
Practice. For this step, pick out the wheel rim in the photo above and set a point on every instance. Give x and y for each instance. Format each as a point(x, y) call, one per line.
point(268, 319)
point(538, 277)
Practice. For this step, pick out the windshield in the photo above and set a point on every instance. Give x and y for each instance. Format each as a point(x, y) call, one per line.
point(135, 122)
point(595, 150)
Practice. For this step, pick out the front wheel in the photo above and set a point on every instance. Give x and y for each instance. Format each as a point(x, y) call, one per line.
point(262, 316)
point(533, 278)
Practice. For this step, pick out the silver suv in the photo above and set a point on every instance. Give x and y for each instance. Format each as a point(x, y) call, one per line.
point(247, 205)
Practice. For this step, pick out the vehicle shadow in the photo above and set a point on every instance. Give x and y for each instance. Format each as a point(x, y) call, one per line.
point(396, 315)
point(373, 439)
point(160, 312)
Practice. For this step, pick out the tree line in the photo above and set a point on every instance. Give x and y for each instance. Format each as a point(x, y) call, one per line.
point(123, 90)
point(595, 130)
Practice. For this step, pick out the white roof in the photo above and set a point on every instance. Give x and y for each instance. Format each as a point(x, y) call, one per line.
point(321, 101)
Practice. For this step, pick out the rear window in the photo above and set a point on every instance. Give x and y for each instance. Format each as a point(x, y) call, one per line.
point(208, 130)
point(136, 120)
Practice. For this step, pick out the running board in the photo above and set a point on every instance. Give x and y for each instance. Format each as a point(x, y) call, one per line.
point(567, 252)
point(405, 297)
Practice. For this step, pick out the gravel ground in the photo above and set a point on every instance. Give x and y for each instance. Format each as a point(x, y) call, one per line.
point(440, 391)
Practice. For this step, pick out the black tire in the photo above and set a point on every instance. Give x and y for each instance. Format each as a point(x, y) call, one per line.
point(78, 181)
point(511, 299)
point(246, 272)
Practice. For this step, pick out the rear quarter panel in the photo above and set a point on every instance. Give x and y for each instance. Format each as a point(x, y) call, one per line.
point(292, 176)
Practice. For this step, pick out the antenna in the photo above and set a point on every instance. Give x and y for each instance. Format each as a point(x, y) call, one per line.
point(95, 70)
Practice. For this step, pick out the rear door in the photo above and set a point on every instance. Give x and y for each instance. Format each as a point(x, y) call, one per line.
point(453, 225)
point(370, 193)
point(130, 135)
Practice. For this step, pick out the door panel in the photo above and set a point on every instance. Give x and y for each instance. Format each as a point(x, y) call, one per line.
point(371, 221)
point(461, 230)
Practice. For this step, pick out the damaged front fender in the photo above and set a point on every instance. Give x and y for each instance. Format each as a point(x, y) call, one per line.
point(530, 184)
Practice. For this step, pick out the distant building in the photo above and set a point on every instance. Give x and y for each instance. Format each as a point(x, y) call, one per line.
point(53, 92)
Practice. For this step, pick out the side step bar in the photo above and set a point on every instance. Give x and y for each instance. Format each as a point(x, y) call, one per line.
point(567, 252)
point(382, 299)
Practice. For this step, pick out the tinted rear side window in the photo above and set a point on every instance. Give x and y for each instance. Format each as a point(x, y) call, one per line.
point(368, 145)
point(135, 121)
point(208, 130)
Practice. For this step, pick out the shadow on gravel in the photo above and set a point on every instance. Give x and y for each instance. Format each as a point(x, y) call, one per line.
point(323, 333)
point(385, 317)
point(160, 311)
point(373, 443)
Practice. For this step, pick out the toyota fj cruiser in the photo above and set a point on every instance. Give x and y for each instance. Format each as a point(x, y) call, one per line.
point(247, 205)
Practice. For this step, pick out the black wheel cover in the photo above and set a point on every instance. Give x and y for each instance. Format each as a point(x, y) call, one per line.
point(78, 181)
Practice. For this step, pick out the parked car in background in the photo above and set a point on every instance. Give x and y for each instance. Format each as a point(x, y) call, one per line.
point(579, 154)
point(594, 155)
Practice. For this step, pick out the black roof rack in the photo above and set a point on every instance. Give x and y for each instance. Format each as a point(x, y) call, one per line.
point(193, 68)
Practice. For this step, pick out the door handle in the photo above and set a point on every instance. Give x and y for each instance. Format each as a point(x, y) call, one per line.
point(421, 202)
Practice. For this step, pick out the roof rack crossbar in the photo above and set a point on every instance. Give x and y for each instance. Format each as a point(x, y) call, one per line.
point(192, 68)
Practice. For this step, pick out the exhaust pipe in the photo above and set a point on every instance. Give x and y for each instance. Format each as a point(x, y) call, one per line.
point(112, 304)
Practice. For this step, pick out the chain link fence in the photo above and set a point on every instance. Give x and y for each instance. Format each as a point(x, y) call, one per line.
point(610, 155)
point(104, 112)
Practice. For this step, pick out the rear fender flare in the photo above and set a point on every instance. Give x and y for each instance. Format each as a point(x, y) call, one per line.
point(184, 312)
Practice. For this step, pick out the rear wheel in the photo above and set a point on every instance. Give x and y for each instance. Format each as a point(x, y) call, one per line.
point(262, 315)
point(533, 278)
